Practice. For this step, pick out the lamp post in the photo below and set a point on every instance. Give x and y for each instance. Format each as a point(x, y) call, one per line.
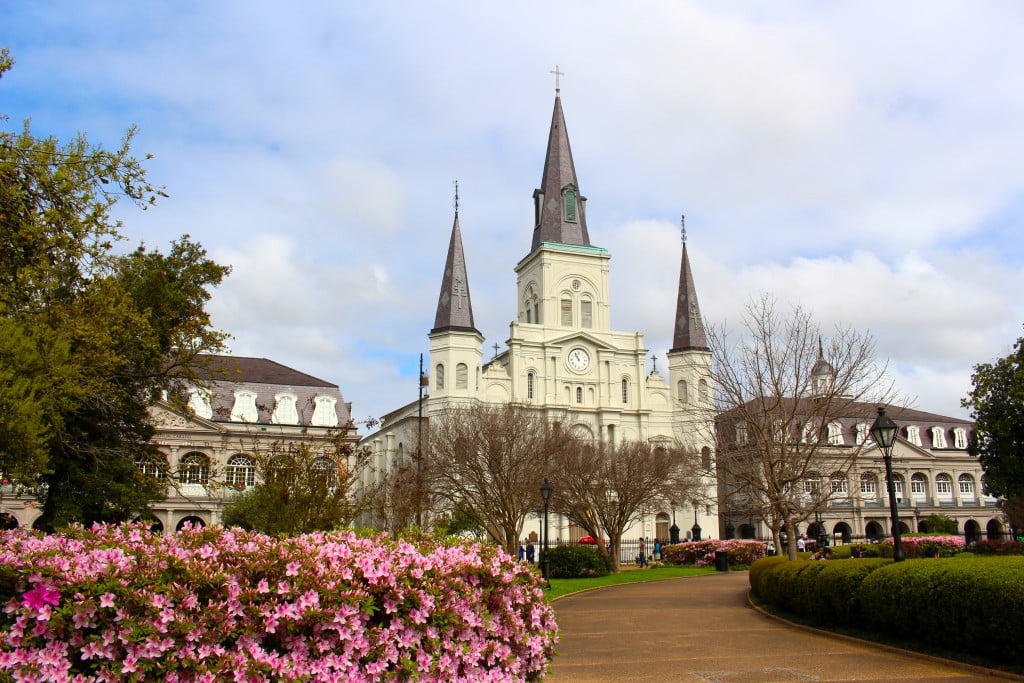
point(545, 495)
point(883, 431)
point(696, 527)
point(822, 536)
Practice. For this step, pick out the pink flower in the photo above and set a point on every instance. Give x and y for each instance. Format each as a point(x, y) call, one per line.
point(40, 596)
point(107, 600)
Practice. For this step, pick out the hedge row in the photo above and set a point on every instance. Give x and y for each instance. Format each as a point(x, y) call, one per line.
point(966, 604)
point(122, 604)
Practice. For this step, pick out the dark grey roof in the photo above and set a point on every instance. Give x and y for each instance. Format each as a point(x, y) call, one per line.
point(689, 328)
point(253, 370)
point(454, 307)
point(549, 202)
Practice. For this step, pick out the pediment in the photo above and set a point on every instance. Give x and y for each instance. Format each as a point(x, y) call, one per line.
point(166, 418)
point(900, 449)
point(578, 337)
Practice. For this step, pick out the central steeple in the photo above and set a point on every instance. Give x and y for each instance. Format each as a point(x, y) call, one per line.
point(559, 208)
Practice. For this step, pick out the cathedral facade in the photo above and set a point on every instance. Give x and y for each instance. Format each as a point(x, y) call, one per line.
point(563, 357)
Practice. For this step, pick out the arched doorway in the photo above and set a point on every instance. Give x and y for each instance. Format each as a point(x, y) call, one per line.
point(842, 532)
point(972, 532)
point(661, 523)
point(747, 531)
point(874, 532)
point(196, 522)
point(994, 530)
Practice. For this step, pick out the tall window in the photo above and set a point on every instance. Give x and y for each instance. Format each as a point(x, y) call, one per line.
point(918, 486)
point(868, 485)
point(244, 409)
point(285, 412)
point(938, 437)
point(154, 466)
point(324, 413)
point(862, 432)
point(194, 468)
point(966, 486)
point(741, 434)
point(570, 204)
point(461, 376)
point(240, 472)
point(324, 469)
point(439, 376)
point(529, 385)
point(566, 312)
point(835, 434)
point(914, 435)
point(960, 438)
point(681, 390)
point(705, 458)
point(704, 391)
point(586, 314)
point(944, 486)
point(837, 484)
point(625, 390)
point(579, 394)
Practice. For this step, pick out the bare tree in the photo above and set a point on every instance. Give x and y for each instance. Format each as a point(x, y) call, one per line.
point(396, 499)
point(490, 462)
point(785, 400)
point(605, 489)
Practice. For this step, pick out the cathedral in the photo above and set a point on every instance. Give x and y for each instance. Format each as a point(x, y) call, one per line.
point(563, 357)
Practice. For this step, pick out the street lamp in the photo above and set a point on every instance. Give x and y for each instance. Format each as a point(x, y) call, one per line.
point(883, 431)
point(545, 495)
point(822, 536)
point(696, 527)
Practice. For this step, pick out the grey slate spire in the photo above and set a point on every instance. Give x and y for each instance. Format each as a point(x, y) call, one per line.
point(689, 328)
point(454, 309)
point(559, 209)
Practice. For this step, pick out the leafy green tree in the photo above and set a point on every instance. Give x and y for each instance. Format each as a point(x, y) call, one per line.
point(88, 334)
point(940, 524)
point(997, 408)
point(300, 490)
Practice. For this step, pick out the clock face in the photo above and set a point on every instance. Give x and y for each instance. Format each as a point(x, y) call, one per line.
point(578, 360)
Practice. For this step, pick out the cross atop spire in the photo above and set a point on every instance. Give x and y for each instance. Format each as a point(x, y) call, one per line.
point(689, 328)
point(558, 74)
point(454, 306)
point(456, 197)
point(560, 209)
point(682, 227)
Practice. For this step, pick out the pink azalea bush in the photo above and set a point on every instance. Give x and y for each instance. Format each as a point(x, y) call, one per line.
point(922, 546)
point(123, 604)
point(702, 553)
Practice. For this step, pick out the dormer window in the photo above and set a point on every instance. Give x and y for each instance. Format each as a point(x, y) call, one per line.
point(199, 402)
point(244, 409)
point(324, 414)
point(938, 437)
point(835, 434)
point(285, 412)
point(960, 438)
point(862, 433)
point(914, 435)
point(569, 201)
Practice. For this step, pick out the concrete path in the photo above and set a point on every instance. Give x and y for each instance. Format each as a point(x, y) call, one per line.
point(701, 629)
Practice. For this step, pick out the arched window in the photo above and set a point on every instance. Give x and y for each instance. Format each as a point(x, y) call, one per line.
point(919, 486)
point(835, 434)
point(324, 414)
point(966, 483)
point(705, 458)
point(625, 390)
point(244, 409)
point(461, 376)
point(868, 486)
point(325, 470)
point(285, 412)
point(587, 314)
point(153, 466)
point(704, 391)
point(239, 472)
point(944, 487)
point(529, 386)
point(681, 391)
point(897, 487)
point(439, 377)
point(194, 468)
point(566, 309)
point(837, 484)
point(938, 437)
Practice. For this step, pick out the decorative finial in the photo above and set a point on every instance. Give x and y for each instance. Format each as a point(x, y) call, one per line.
point(682, 227)
point(456, 197)
point(558, 75)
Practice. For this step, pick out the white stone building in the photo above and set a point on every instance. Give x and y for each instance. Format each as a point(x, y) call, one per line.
point(563, 356)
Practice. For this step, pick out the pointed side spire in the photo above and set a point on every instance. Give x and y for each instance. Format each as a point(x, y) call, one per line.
point(689, 328)
point(454, 308)
point(559, 208)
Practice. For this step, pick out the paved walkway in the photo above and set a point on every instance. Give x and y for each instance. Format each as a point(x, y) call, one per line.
point(701, 629)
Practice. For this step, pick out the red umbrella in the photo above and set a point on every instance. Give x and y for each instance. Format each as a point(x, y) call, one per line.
point(587, 539)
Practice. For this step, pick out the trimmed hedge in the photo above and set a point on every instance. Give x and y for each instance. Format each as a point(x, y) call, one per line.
point(577, 562)
point(966, 604)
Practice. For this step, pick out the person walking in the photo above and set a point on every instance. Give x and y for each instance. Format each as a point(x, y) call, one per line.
point(529, 552)
point(641, 559)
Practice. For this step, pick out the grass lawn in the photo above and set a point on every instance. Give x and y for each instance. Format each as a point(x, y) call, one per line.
point(562, 587)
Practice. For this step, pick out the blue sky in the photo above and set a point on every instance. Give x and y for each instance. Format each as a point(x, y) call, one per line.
point(860, 159)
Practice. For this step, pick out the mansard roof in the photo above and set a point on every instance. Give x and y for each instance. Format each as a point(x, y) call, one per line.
point(553, 222)
point(213, 367)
